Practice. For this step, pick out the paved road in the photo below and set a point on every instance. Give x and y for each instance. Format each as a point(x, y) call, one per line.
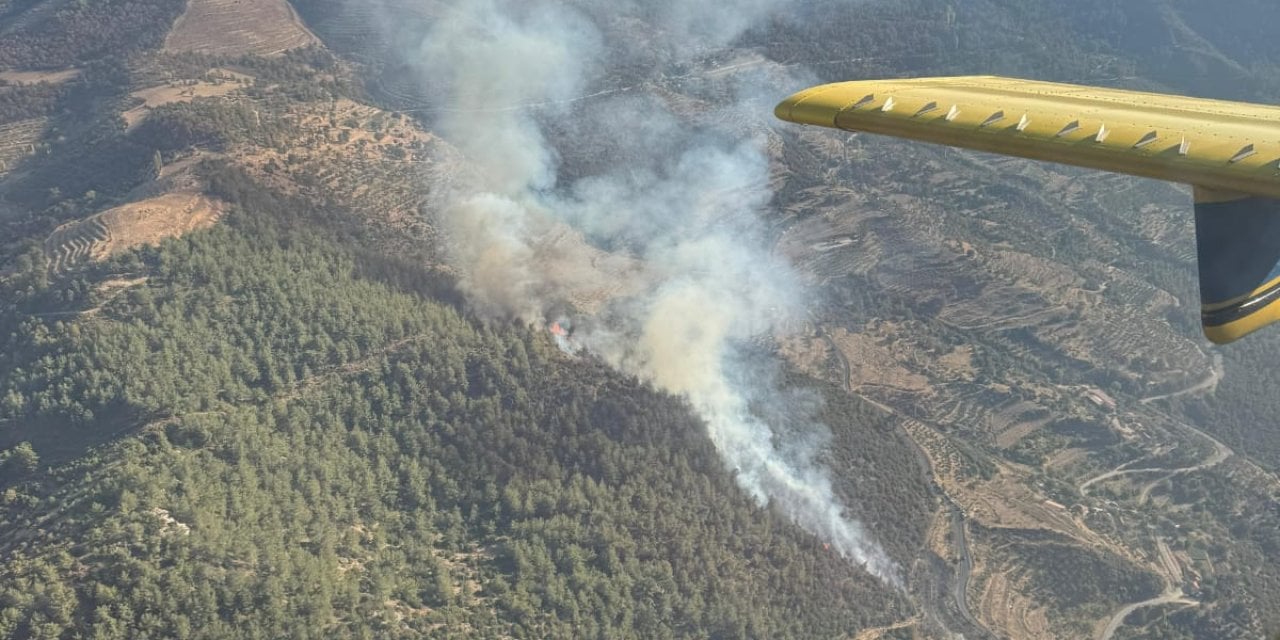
point(960, 588)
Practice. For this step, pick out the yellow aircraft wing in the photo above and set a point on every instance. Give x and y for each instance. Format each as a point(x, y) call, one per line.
point(1230, 152)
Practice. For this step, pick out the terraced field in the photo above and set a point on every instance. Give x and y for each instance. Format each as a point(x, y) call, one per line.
point(231, 27)
point(76, 243)
point(1029, 289)
point(1001, 309)
point(1005, 607)
point(373, 162)
point(146, 222)
point(17, 140)
point(182, 91)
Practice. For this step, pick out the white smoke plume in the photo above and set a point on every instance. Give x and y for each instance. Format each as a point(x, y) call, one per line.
point(679, 199)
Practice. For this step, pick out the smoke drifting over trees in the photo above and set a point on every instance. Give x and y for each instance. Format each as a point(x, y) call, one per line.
point(682, 200)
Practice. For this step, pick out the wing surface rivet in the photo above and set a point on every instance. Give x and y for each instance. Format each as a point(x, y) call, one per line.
point(951, 115)
point(1151, 136)
point(1071, 128)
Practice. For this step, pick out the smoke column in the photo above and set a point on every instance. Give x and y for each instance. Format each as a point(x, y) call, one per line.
point(690, 278)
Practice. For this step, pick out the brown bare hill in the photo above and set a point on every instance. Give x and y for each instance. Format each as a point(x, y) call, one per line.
point(262, 27)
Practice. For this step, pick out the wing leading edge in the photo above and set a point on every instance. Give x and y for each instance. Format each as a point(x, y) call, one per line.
point(1229, 151)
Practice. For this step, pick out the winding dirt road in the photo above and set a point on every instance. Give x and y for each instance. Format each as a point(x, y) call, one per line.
point(1220, 453)
point(1170, 596)
point(1209, 383)
point(1171, 571)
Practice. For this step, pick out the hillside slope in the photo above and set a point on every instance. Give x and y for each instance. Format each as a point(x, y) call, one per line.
point(276, 421)
point(316, 448)
point(241, 392)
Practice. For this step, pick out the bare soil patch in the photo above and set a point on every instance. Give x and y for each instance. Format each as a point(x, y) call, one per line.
point(36, 77)
point(152, 221)
point(232, 27)
point(180, 91)
point(807, 353)
point(876, 360)
point(959, 363)
point(114, 286)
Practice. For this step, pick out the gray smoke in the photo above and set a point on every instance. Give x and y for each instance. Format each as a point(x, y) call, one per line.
point(689, 278)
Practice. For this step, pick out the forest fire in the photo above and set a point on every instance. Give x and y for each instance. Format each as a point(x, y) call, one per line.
point(562, 332)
